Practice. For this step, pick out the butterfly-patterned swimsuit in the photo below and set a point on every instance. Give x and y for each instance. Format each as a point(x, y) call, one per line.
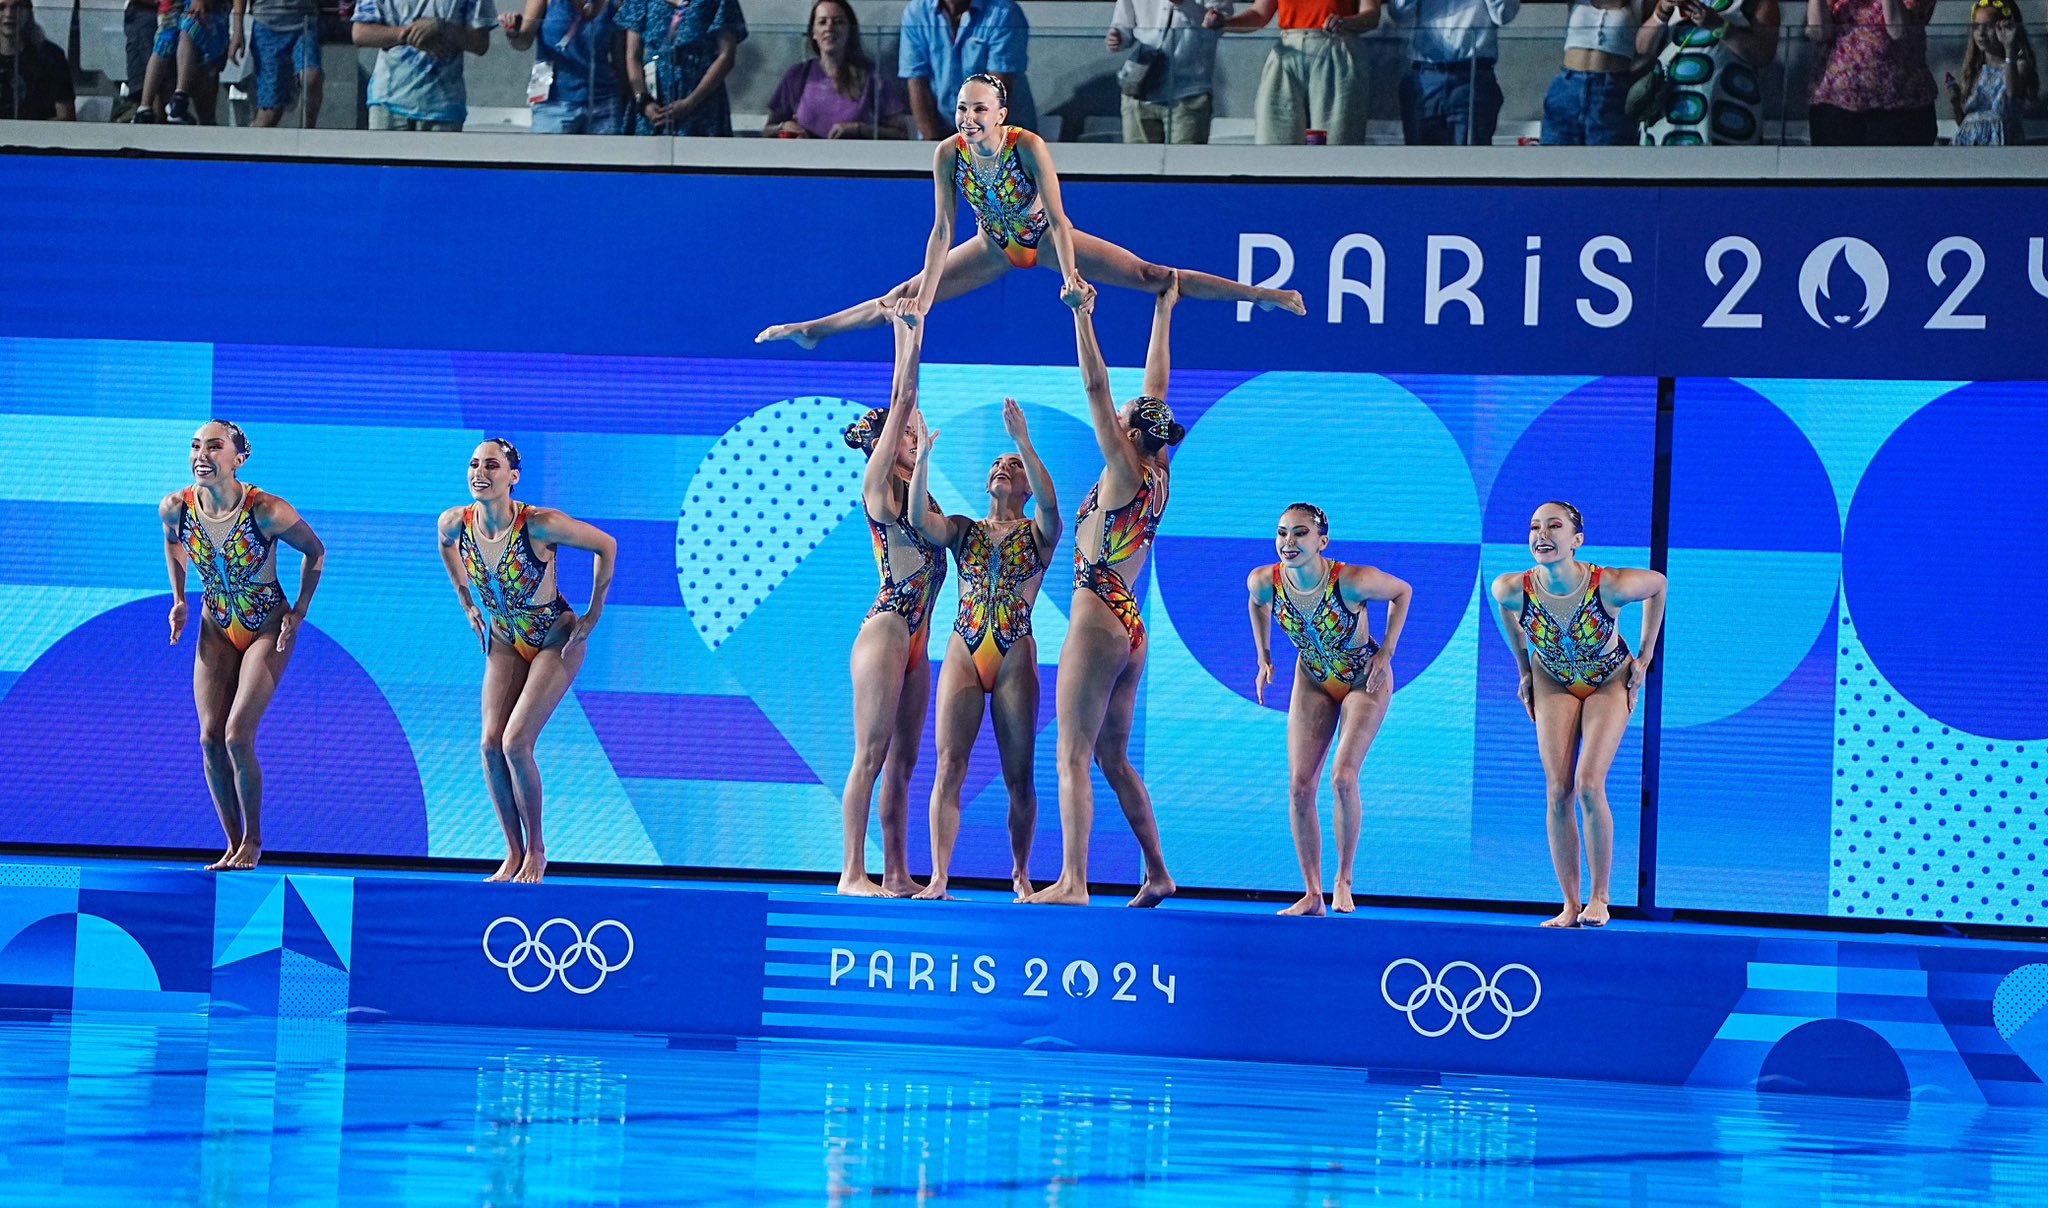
point(911, 596)
point(1006, 203)
point(994, 612)
point(516, 587)
point(1324, 636)
point(1575, 654)
point(1125, 531)
point(237, 567)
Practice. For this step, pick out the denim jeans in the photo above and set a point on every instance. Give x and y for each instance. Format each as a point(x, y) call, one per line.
point(1587, 109)
point(607, 115)
point(1450, 104)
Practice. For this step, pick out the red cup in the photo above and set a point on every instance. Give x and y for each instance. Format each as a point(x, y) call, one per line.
point(1316, 138)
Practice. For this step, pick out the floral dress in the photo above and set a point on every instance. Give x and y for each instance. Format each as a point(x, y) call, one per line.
point(1991, 117)
point(678, 41)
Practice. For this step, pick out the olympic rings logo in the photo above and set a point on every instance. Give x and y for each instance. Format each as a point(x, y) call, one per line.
point(1485, 997)
point(558, 958)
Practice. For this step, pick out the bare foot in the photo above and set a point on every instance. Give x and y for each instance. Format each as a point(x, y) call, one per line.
point(1020, 884)
point(1594, 914)
point(796, 333)
point(1153, 892)
point(1311, 904)
point(245, 858)
point(509, 869)
point(1288, 300)
point(533, 869)
point(1060, 893)
point(900, 886)
point(853, 885)
point(227, 859)
point(1340, 898)
point(1568, 917)
point(934, 892)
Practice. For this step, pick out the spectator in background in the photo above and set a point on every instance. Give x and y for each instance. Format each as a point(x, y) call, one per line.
point(1874, 88)
point(190, 49)
point(138, 32)
point(678, 53)
point(35, 77)
point(1179, 36)
point(1724, 107)
point(1450, 95)
point(417, 84)
point(1998, 78)
point(836, 91)
point(578, 81)
point(1587, 102)
point(1314, 79)
point(286, 42)
point(945, 41)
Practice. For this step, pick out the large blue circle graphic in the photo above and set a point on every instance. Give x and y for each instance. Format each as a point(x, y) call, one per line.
point(1941, 553)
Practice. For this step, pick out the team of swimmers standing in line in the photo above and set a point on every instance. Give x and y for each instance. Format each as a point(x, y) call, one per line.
point(1579, 677)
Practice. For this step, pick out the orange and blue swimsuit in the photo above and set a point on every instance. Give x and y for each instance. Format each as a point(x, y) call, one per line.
point(237, 567)
point(911, 596)
point(1125, 531)
point(1575, 654)
point(1324, 636)
point(994, 614)
point(1005, 203)
point(516, 587)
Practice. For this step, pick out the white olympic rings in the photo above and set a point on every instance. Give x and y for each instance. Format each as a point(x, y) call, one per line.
point(532, 945)
point(1458, 1009)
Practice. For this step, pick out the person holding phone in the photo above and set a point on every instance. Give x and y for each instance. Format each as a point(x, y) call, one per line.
point(1716, 97)
point(533, 642)
point(1998, 78)
point(1587, 102)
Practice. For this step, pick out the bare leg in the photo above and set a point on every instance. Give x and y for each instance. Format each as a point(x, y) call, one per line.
point(879, 656)
point(1557, 740)
point(262, 667)
point(1015, 706)
point(968, 267)
point(959, 720)
point(215, 670)
point(504, 678)
point(1105, 263)
point(1361, 716)
point(1603, 718)
point(156, 83)
point(1311, 723)
point(314, 81)
point(547, 681)
point(897, 766)
point(1113, 755)
point(1096, 651)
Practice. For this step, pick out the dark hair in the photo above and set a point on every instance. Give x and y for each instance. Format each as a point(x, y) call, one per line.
point(511, 453)
point(858, 65)
point(993, 81)
point(241, 438)
point(1154, 418)
point(862, 433)
point(1322, 520)
point(1578, 521)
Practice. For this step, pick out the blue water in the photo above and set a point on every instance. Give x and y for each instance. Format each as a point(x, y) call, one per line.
point(187, 1110)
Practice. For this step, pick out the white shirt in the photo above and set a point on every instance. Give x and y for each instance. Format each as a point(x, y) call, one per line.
point(1452, 31)
point(1177, 30)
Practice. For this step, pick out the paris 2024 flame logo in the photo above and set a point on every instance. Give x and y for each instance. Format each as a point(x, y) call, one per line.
point(1844, 283)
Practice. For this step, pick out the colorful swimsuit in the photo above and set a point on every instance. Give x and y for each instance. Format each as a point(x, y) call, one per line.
point(1576, 655)
point(1324, 636)
point(1003, 203)
point(1125, 531)
point(993, 611)
point(516, 587)
point(237, 567)
point(911, 596)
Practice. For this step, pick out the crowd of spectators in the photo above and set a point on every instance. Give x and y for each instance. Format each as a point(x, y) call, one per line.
point(1654, 72)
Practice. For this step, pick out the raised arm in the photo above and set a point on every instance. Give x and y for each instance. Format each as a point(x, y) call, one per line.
point(1820, 22)
point(1046, 518)
point(449, 529)
point(1648, 588)
point(1119, 455)
point(937, 527)
point(1159, 350)
point(559, 528)
point(279, 520)
point(1260, 584)
point(169, 512)
point(1037, 159)
point(1507, 600)
point(1359, 584)
point(874, 487)
point(945, 210)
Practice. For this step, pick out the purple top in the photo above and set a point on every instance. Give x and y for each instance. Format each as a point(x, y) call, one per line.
point(806, 93)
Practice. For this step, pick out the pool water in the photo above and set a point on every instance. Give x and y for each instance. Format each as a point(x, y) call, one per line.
point(190, 1110)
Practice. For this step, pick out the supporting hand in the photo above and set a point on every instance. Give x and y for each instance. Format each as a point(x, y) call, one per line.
point(1264, 678)
point(178, 611)
point(1526, 693)
point(1378, 671)
point(289, 627)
